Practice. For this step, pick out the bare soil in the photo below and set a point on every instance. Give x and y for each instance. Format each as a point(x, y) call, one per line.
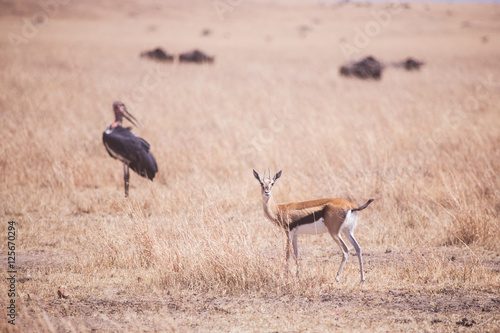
point(352, 309)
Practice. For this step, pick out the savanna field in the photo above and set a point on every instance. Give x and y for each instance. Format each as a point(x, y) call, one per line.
point(192, 250)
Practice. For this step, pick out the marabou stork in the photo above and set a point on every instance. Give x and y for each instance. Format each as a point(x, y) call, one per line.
point(123, 145)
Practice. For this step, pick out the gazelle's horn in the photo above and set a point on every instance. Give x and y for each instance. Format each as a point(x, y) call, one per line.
point(269, 171)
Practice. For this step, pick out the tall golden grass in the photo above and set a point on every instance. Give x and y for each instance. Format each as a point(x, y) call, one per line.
point(424, 144)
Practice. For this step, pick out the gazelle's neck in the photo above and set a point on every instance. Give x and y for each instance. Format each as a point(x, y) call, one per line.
point(270, 208)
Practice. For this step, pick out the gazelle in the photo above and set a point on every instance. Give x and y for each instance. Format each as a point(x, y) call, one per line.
point(334, 216)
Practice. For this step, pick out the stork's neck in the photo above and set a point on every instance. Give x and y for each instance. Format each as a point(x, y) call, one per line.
point(118, 118)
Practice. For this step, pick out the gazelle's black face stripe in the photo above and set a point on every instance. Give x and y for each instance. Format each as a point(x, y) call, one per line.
point(311, 218)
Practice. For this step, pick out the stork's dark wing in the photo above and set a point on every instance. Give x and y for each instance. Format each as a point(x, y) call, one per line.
point(144, 163)
point(122, 144)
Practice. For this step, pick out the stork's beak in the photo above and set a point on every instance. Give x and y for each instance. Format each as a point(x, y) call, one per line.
point(131, 117)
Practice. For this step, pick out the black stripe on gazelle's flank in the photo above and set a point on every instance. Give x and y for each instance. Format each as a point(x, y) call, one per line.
point(311, 218)
point(315, 216)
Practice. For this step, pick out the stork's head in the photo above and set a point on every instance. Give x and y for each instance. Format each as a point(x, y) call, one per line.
point(121, 111)
point(266, 183)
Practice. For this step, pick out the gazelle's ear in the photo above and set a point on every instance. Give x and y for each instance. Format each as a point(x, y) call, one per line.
point(257, 176)
point(277, 175)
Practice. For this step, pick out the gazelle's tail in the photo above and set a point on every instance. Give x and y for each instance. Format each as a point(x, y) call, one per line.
point(363, 207)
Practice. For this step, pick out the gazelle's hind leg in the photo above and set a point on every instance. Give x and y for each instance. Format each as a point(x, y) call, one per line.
point(354, 243)
point(348, 230)
point(345, 252)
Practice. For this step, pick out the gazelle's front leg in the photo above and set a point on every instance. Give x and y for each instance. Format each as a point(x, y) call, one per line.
point(294, 240)
point(287, 251)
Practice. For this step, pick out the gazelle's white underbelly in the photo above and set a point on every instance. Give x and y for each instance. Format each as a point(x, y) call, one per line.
point(317, 227)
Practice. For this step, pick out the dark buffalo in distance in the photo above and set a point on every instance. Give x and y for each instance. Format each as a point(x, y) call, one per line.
point(195, 56)
point(411, 64)
point(158, 54)
point(367, 68)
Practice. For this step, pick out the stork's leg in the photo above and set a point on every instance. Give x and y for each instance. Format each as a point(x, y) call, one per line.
point(126, 177)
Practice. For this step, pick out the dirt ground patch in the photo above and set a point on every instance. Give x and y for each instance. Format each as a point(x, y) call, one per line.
point(356, 310)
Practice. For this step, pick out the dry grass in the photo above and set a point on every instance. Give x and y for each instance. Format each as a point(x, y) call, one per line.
point(192, 250)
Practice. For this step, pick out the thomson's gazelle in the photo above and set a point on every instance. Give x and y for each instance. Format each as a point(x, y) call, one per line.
point(312, 217)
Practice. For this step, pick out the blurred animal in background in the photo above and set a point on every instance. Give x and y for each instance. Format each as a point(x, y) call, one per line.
point(368, 68)
point(195, 56)
point(410, 64)
point(158, 54)
point(371, 68)
point(125, 146)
